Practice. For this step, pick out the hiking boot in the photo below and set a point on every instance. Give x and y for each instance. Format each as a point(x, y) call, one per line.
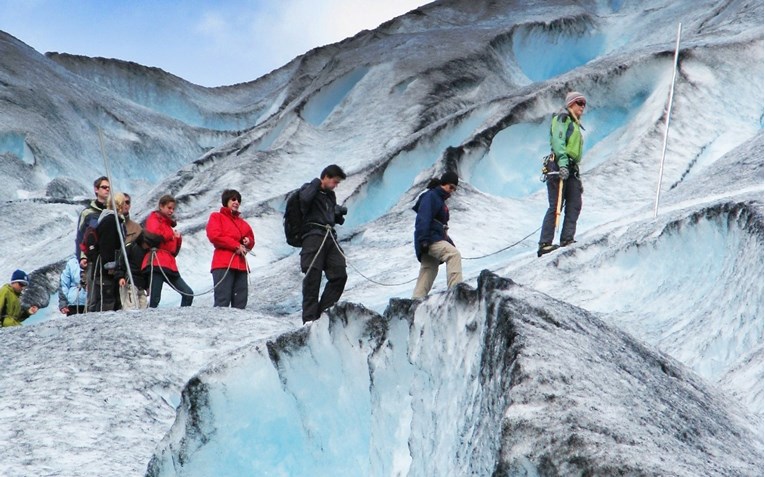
point(545, 248)
point(567, 242)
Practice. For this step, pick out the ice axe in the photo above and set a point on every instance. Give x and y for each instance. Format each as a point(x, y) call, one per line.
point(559, 202)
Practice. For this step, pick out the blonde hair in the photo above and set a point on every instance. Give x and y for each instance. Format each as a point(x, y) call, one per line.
point(119, 201)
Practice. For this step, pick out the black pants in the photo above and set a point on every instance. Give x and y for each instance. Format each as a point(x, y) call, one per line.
point(329, 260)
point(75, 309)
point(572, 206)
point(174, 279)
point(230, 288)
point(104, 295)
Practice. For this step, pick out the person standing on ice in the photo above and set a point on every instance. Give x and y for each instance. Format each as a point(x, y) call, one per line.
point(232, 238)
point(111, 224)
point(320, 250)
point(11, 312)
point(160, 263)
point(566, 143)
point(432, 244)
point(72, 295)
point(89, 219)
point(132, 228)
point(133, 296)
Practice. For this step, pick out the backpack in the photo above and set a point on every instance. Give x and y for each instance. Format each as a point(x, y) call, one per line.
point(293, 220)
point(149, 240)
point(89, 244)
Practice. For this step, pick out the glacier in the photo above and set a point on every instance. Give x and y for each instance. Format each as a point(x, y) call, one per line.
point(638, 351)
point(498, 380)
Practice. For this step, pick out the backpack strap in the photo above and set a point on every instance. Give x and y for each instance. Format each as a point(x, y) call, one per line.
point(562, 118)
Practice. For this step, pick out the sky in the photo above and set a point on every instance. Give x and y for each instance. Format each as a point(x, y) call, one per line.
point(206, 42)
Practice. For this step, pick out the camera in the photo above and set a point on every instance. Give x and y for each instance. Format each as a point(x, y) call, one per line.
point(340, 210)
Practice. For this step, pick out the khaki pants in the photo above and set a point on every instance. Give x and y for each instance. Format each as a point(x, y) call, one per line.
point(438, 253)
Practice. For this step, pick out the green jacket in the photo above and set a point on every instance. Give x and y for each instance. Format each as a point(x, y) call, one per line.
point(10, 307)
point(566, 139)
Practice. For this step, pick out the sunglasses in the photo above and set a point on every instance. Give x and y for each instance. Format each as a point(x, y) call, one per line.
point(581, 103)
point(127, 202)
point(104, 187)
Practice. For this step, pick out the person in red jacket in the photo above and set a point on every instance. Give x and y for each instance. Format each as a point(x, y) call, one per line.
point(159, 263)
point(232, 238)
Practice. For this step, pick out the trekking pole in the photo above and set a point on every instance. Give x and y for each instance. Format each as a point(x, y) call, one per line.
point(133, 290)
point(666, 125)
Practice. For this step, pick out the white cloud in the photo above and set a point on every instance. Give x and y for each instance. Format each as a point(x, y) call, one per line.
point(257, 37)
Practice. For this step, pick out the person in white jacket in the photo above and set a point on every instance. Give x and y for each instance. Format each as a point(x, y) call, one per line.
point(72, 296)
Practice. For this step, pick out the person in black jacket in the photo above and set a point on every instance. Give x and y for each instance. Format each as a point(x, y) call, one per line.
point(105, 293)
point(432, 244)
point(320, 251)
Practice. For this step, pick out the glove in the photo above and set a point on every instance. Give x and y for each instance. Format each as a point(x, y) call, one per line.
point(424, 247)
point(563, 173)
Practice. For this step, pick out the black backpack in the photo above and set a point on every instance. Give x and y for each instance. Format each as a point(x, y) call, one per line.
point(293, 220)
point(89, 244)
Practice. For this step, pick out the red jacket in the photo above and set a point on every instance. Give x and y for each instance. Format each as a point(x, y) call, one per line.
point(160, 225)
point(226, 230)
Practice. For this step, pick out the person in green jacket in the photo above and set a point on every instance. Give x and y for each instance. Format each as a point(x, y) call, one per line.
point(566, 143)
point(10, 302)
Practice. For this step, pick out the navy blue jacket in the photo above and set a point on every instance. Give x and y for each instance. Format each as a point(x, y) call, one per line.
point(432, 219)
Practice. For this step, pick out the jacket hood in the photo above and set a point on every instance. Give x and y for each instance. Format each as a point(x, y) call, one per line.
point(106, 213)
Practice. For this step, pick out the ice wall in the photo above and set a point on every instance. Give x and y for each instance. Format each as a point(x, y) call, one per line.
point(498, 380)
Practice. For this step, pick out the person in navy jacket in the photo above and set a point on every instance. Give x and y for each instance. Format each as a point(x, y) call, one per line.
point(432, 244)
point(232, 238)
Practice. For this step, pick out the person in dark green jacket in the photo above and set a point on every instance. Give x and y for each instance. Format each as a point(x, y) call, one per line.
point(10, 302)
point(566, 143)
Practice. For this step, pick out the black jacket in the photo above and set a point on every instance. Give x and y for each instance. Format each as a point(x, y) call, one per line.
point(319, 207)
point(135, 253)
point(108, 240)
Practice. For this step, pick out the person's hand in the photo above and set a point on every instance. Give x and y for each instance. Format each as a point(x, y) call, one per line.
point(241, 250)
point(64, 310)
point(424, 247)
point(246, 241)
point(564, 173)
point(33, 309)
point(122, 282)
point(83, 263)
point(176, 234)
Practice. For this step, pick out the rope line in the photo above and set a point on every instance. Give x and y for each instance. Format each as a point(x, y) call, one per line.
point(348, 262)
point(503, 249)
point(167, 280)
point(366, 277)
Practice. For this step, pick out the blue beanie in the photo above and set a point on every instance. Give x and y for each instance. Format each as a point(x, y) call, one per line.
point(19, 276)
